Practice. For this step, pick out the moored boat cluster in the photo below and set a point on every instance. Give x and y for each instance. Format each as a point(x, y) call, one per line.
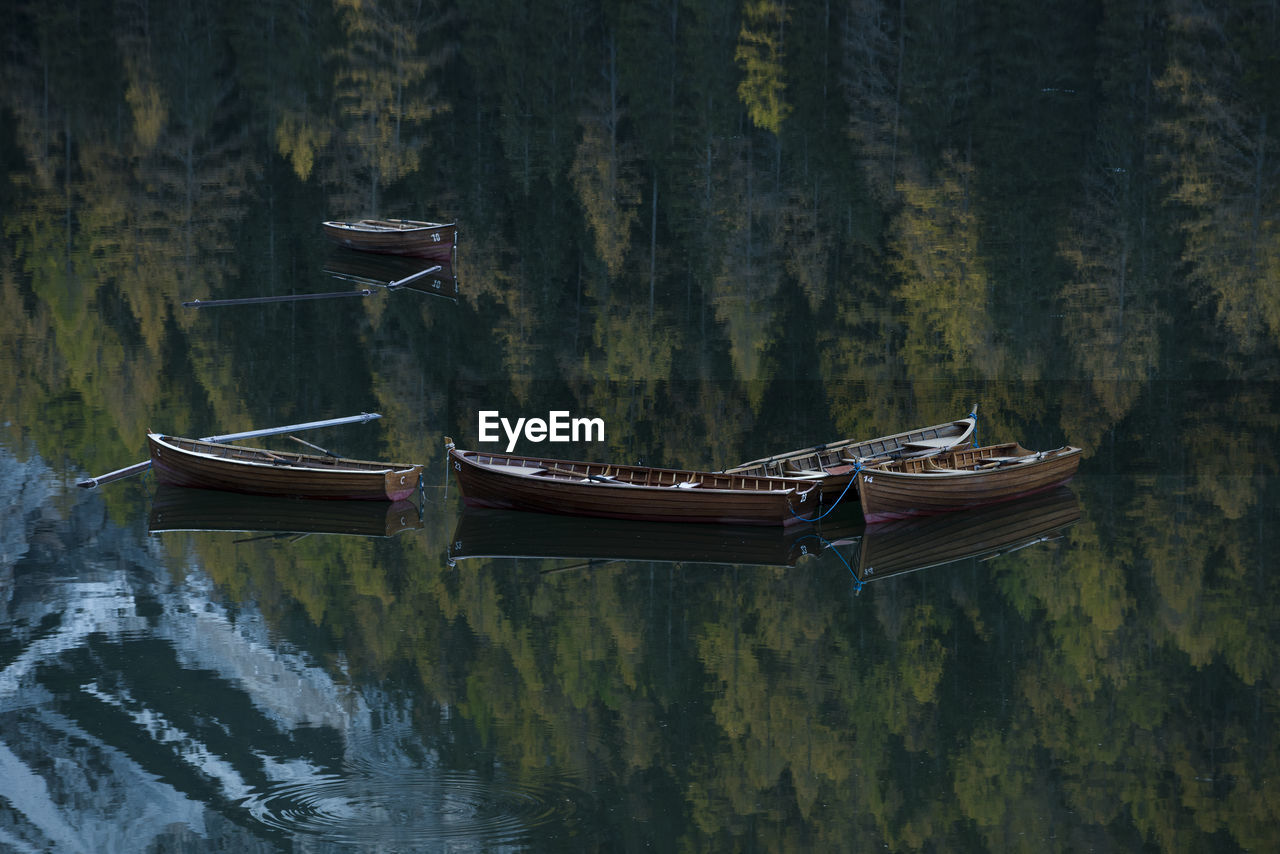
point(924, 471)
point(920, 472)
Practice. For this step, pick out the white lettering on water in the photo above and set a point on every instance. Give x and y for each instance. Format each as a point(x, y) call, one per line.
point(559, 426)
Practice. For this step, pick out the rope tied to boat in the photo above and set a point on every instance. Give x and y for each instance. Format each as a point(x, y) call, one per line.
point(974, 415)
point(857, 468)
point(858, 583)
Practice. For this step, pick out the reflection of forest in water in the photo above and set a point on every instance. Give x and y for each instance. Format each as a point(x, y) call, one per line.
point(726, 228)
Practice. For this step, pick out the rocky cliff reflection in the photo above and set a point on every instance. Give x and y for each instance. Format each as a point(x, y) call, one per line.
point(140, 708)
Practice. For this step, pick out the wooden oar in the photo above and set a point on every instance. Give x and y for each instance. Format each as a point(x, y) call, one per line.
point(316, 447)
point(599, 478)
point(588, 563)
point(207, 303)
point(138, 468)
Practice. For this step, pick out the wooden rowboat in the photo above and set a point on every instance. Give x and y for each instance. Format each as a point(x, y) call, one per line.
point(234, 468)
point(835, 464)
point(962, 478)
point(627, 492)
point(435, 240)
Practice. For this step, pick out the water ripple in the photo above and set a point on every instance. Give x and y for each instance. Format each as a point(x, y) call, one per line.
point(416, 807)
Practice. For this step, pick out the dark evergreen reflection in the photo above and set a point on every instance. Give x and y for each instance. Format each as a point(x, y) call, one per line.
point(727, 229)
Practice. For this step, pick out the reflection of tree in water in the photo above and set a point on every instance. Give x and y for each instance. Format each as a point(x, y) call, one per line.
point(603, 173)
point(1222, 164)
point(384, 95)
point(998, 696)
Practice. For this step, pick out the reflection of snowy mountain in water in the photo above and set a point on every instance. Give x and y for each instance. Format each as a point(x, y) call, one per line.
point(136, 710)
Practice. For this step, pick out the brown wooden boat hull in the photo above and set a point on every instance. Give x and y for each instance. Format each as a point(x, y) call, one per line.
point(887, 494)
point(175, 508)
point(190, 463)
point(434, 240)
point(526, 483)
point(835, 458)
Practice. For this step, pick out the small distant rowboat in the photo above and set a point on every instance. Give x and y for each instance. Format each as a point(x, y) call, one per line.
point(234, 468)
point(627, 492)
point(959, 479)
point(435, 240)
point(835, 464)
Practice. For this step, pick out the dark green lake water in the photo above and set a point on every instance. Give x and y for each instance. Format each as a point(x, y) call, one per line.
point(725, 230)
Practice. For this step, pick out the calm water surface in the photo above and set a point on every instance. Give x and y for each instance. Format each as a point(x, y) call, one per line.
point(717, 277)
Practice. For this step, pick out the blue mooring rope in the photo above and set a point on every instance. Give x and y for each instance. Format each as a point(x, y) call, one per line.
point(974, 416)
point(858, 582)
point(857, 467)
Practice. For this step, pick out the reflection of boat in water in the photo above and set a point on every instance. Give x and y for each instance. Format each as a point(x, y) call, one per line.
point(893, 548)
point(874, 552)
point(176, 508)
point(436, 240)
point(492, 533)
point(395, 272)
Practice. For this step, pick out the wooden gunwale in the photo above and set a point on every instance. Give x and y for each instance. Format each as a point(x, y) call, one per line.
point(364, 226)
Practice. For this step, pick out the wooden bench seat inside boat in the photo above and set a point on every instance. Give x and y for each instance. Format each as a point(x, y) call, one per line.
point(791, 469)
